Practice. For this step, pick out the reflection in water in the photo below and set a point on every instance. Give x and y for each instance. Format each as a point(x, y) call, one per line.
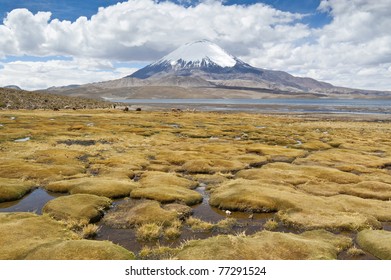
point(32, 202)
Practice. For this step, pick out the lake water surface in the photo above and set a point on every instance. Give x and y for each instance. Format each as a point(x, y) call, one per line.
point(322, 105)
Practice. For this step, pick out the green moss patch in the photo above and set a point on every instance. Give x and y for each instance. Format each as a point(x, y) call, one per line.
point(266, 245)
point(79, 207)
point(376, 242)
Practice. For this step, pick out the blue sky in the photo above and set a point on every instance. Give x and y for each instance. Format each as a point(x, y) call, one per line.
point(72, 9)
point(344, 42)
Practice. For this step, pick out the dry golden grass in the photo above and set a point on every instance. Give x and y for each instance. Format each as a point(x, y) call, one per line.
point(21, 233)
point(152, 179)
point(79, 207)
point(89, 231)
point(299, 174)
point(168, 194)
point(266, 245)
point(197, 224)
point(376, 242)
point(156, 253)
point(149, 232)
point(81, 250)
point(133, 213)
point(183, 211)
point(329, 173)
point(355, 252)
point(300, 209)
point(18, 168)
point(270, 225)
point(166, 188)
point(13, 189)
point(174, 230)
point(30, 236)
point(107, 187)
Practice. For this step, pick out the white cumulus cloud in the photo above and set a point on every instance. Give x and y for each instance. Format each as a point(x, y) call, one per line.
point(353, 50)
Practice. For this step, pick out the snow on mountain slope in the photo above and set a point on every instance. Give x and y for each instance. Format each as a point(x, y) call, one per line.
point(206, 60)
point(197, 54)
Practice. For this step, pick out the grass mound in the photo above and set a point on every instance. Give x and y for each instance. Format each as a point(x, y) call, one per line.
point(17, 168)
point(166, 188)
point(151, 179)
point(168, 194)
point(210, 166)
point(134, 213)
point(299, 209)
point(376, 242)
point(13, 189)
point(79, 207)
point(81, 250)
point(266, 245)
point(21, 233)
point(107, 187)
point(299, 174)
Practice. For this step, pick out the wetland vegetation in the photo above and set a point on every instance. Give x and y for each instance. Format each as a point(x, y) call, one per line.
point(193, 185)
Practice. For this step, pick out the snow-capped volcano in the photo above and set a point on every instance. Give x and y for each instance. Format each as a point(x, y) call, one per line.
point(202, 69)
point(198, 54)
point(195, 59)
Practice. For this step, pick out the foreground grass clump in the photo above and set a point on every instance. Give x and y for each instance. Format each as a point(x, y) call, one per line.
point(13, 189)
point(376, 242)
point(81, 250)
point(17, 168)
point(168, 194)
point(134, 213)
point(30, 236)
point(89, 231)
point(79, 207)
point(270, 225)
point(266, 245)
point(299, 209)
point(94, 185)
point(149, 232)
point(197, 224)
point(298, 174)
point(166, 188)
point(316, 172)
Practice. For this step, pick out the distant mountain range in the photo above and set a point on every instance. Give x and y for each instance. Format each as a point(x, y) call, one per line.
point(202, 69)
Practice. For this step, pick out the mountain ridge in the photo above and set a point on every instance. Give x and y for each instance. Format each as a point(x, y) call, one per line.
point(203, 69)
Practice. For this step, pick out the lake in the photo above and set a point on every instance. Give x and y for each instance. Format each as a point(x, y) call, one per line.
point(362, 106)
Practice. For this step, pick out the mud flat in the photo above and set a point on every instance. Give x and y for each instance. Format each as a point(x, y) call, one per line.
point(193, 185)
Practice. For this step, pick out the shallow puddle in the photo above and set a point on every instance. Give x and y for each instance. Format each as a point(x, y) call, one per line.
point(245, 223)
point(248, 223)
point(32, 202)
